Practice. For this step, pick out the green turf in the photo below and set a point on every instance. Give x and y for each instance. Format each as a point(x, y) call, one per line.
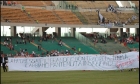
point(71, 77)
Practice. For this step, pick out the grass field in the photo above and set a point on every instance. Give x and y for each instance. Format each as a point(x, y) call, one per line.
point(71, 77)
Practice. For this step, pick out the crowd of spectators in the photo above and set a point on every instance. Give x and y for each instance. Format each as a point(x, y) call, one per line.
point(118, 22)
point(126, 39)
point(28, 38)
point(8, 3)
point(8, 42)
point(129, 40)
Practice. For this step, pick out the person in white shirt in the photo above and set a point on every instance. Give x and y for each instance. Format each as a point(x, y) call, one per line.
point(5, 43)
point(33, 53)
point(52, 38)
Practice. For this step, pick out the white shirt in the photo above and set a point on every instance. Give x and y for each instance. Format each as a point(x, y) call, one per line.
point(3, 60)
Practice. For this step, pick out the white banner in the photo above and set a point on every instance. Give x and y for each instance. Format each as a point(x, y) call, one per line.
point(76, 62)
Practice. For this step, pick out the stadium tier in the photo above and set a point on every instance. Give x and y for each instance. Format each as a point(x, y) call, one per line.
point(93, 4)
point(43, 16)
point(7, 50)
point(108, 47)
point(50, 45)
point(74, 43)
point(33, 13)
point(17, 47)
point(36, 3)
point(125, 16)
point(136, 3)
point(58, 17)
point(68, 17)
point(15, 15)
point(83, 13)
point(132, 46)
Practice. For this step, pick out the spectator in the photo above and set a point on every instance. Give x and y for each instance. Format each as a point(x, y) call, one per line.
point(14, 3)
point(23, 9)
point(60, 42)
point(37, 21)
point(33, 53)
point(115, 52)
point(28, 13)
point(125, 44)
point(5, 43)
point(67, 51)
point(5, 3)
point(25, 41)
point(53, 38)
point(120, 51)
point(115, 40)
point(74, 48)
point(39, 47)
point(103, 41)
point(9, 3)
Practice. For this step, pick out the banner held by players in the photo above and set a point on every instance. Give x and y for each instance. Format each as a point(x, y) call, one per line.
point(75, 62)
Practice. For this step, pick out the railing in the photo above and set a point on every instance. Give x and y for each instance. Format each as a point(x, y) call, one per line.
point(74, 9)
point(88, 42)
point(132, 4)
point(136, 11)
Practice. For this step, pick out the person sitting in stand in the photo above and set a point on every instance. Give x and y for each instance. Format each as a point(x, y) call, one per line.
point(5, 43)
point(74, 48)
point(103, 41)
point(33, 53)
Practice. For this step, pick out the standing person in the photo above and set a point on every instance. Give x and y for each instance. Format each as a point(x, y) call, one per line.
point(38, 48)
point(115, 53)
point(120, 52)
point(53, 38)
point(3, 62)
point(33, 53)
point(60, 42)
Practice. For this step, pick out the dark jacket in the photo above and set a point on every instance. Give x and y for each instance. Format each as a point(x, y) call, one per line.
point(5, 58)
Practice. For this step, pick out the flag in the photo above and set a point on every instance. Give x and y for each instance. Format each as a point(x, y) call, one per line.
point(111, 8)
point(101, 17)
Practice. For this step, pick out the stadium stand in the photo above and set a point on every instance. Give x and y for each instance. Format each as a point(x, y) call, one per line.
point(16, 15)
point(35, 3)
point(30, 47)
point(37, 12)
point(43, 16)
point(125, 17)
point(74, 42)
point(93, 4)
point(31, 3)
point(7, 50)
point(50, 45)
point(108, 47)
point(136, 3)
point(69, 19)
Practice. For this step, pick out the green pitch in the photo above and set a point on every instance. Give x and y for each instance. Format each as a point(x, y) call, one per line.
point(71, 77)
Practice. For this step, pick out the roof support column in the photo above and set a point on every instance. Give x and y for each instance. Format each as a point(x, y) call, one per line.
point(58, 31)
point(128, 32)
point(73, 32)
point(13, 31)
point(120, 32)
point(137, 31)
point(40, 31)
